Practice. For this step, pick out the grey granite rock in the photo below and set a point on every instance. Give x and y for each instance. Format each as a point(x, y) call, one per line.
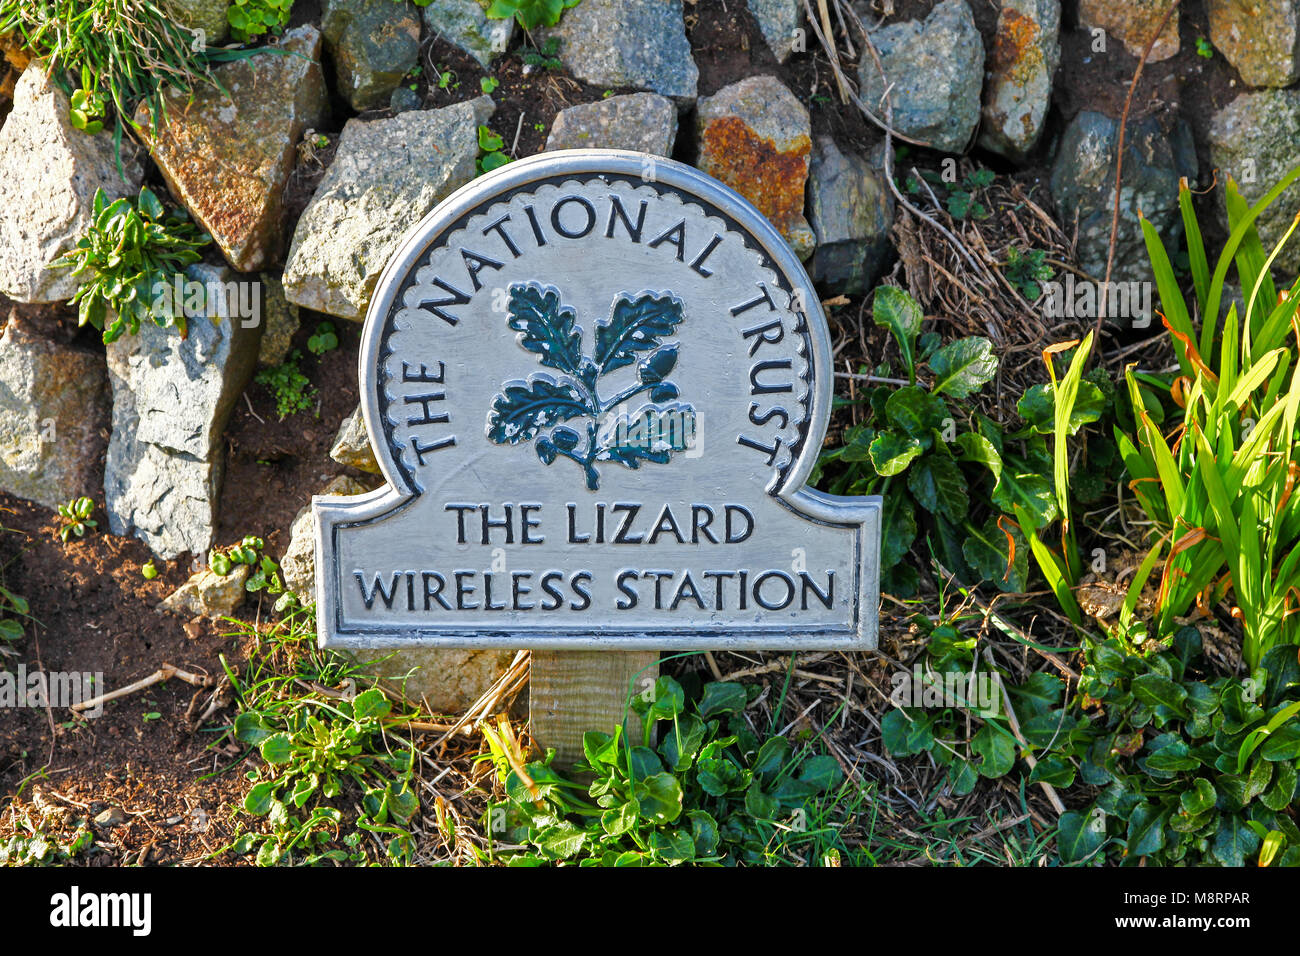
point(644, 122)
point(637, 43)
point(374, 44)
point(171, 400)
point(936, 68)
point(851, 210)
point(49, 173)
point(54, 402)
point(386, 175)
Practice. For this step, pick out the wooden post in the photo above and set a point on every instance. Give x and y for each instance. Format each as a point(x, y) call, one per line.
point(571, 692)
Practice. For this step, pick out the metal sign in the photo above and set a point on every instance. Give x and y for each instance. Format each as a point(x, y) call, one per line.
point(596, 383)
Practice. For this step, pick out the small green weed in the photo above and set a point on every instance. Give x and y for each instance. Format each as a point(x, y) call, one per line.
point(292, 389)
point(75, 518)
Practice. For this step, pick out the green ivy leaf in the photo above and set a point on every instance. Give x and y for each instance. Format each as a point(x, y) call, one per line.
point(906, 732)
point(937, 484)
point(891, 452)
point(899, 529)
point(894, 309)
point(659, 798)
point(1199, 798)
point(988, 552)
point(722, 697)
point(1157, 691)
point(996, 749)
point(277, 749)
point(1146, 830)
point(963, 367)
point(1038, 407)
point(1234, 841)
point(976, 448)
point(917, 413)
point(1080, 835)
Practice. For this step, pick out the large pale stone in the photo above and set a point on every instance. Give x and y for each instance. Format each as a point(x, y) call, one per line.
point(386, 175)
point(1132, 22)
point(643, 122)
point(171, 400)
point(935, 69)
point(1018, 87)
point(463, 24)
point(1255, 140)
point(374, 44)
point(228, 160)
point(209, 594)
point(49, 173)
point(1261, 38)
point(352, 445)
point(637, 43)
point(756, 137)
point(53, 406)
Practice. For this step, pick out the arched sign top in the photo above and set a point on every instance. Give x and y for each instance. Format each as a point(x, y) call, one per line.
point(596, 383)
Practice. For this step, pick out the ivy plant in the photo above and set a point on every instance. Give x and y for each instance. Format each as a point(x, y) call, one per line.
point(710, 793)
point(1193, 769)
point(911, 449)
point(530, 14)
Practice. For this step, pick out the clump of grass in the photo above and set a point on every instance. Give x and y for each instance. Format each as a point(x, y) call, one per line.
point(132, 49)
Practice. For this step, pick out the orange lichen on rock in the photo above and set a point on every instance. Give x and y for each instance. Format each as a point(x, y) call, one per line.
point(772, 178)
point(1016, 44)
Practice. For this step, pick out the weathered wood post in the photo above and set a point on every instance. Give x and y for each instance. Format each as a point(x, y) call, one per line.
point(596, 396)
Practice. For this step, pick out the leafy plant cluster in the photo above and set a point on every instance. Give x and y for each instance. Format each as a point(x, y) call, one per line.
point(490, 145)
point(1027, 270)
point(311, 751)
point(264, 572)
point(911, 450)
point(530, 14)
point(130, 250)
point(324, 339)
point(990, 749)
point(544, 56)
point(32, 846)
point(335, 784)
point(292, 389)
point(252, 18)
point(1194, 769)
point(960, 199)
point(711, 793)
point(75, 518)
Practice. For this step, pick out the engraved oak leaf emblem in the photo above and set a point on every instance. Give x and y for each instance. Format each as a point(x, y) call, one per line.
point(633, 334)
